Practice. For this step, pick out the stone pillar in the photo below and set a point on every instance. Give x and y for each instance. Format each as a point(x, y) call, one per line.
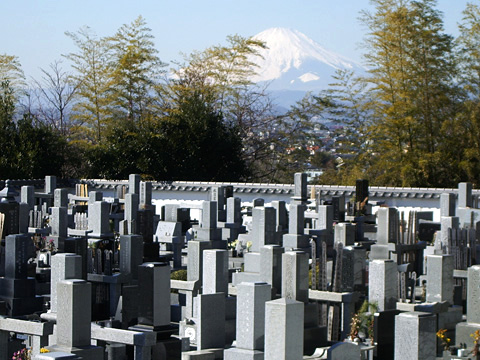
point(209, 215)
point(131, 212)
point(27, 196)
point(154, 294)
point(465, 194)
point(345, 234)
point(211, 321)
point(73, 321)
point(295, 239)
point(234, 210)
point(300, 182)
point(440, 278)
point(325, 217)
point(195, 259)
point(280, 215)
point(263, 227)
point(387, 220)
point(98, 220)
point(383, 284)
point(59, 221)
point(215, 272)
point(64, 267)
point(94, 196)
point(146, 193)
point(50, 184)
point(271, 265)
point(60, 198)
point(473, 294)
point(131, 254)
point(295, 276)
point(415, 336)
point(250, 328)
point(134, 184)
point(447, 204)
point(447, 222)
point(284, 320)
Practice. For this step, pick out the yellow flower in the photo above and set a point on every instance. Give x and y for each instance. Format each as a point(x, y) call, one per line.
point(43, 350)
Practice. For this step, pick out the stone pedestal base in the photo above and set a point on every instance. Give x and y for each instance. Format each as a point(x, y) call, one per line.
point(243, 354)
point(84, 352)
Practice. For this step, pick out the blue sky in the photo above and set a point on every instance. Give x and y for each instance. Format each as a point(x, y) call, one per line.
point(34, 30)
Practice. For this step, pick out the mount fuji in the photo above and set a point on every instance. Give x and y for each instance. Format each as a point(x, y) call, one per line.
point(293, 63)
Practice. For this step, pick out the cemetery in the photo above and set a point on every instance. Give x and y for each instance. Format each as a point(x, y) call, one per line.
point(120, 272)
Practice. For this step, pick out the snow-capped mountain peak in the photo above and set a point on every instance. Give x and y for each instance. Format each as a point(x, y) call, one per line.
point(294, 61)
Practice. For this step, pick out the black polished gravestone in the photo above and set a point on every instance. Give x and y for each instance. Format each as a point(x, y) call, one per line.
point(151, 249)
point(16, 288)
point(361, 191)
point(338, 203)
point(154, 291)
point(154, 312)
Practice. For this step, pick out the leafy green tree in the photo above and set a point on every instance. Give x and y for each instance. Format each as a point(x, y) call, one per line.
point(7, 130)
point(11, 70)
point(222, 76)
point(411, 76)
point(29, 150)
point(464, 144)
point(93, 74)
point(137, 70)
point(40, 151)
point(193, 143)
point(202, 145)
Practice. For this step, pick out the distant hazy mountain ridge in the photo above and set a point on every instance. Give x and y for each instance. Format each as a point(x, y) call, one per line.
point(295, 62)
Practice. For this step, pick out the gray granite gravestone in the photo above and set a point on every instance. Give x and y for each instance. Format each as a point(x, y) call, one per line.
point(145, 194)
point(344, 351)
point(98, 221)
point(27, 196)
point(345, 233)
point(440, 278)
point(263, 227)
point(73, 320)
point(250, 327)
point(295, 276)
point(296, 238)
point(195, 259)
point(258, 202)
point(271, 266)
point(60, 198)
point(134, 184)
point(415, 336)
point(383, 284)
point(64, 267)
point(131, 212)
point(387, 231)
point(325, 217)
point(208, 229)
point(465, 195)
point(131, 254)
point(447, 222)
point(284, 321)
point(215, 271)
point(463, 330)
point(50, 184)
point(447, 204)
